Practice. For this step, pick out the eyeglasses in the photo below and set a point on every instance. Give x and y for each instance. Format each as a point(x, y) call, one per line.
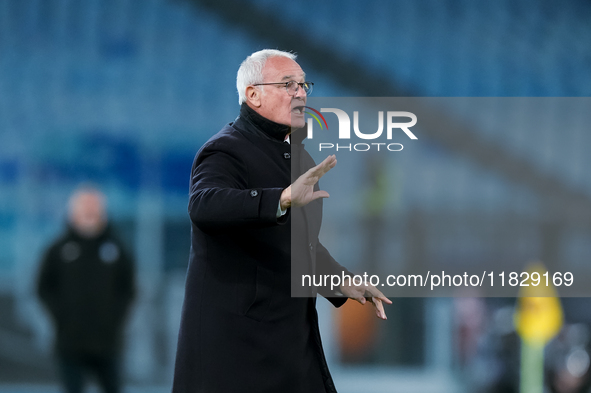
point(292, 87)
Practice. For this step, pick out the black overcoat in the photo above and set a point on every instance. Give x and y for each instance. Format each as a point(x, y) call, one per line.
point(241, 331)
point(87, 285)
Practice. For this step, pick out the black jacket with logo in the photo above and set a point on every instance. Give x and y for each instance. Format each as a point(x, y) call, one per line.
point(87, 284)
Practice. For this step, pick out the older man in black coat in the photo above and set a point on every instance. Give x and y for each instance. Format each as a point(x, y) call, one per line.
point(241, 330)
point(87, 284)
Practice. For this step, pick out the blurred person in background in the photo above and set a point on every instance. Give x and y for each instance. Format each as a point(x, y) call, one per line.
point(241, 329)
point(87, 284)
point(568, 355)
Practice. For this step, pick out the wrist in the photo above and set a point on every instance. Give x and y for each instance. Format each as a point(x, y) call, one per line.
point(285, 199)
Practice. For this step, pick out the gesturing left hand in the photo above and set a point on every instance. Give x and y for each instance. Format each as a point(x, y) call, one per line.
point(301, 192)
point(365, 292)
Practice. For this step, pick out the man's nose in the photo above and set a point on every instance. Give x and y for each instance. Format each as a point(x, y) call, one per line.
point(300, 92)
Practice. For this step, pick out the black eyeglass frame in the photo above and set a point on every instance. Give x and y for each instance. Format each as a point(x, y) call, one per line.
point(299, 84)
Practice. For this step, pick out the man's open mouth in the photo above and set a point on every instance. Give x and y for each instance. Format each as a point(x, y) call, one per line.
point(298, 109)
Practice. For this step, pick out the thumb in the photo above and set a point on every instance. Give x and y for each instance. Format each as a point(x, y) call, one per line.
point(320, 194)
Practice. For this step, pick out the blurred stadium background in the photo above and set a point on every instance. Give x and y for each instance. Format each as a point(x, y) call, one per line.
point(122, 93)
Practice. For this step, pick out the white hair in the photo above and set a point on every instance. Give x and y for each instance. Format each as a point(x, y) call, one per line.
point(251, 69)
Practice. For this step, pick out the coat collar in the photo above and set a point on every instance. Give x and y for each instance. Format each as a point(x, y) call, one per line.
point(271, 129)
point(253, 122)
point(74, 234)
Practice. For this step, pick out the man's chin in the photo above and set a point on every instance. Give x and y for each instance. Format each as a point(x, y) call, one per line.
point(298, 122)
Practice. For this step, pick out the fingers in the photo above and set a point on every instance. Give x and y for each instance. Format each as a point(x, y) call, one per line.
point(374, 292)
point(378, 299)
point(362, 295)
point(377, 302)
point(358, 295)
point(326, 165)
point(330, 160)
point(383, 299)
point(314, 174)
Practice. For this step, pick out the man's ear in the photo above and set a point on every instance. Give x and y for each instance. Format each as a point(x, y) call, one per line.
point(253, 96)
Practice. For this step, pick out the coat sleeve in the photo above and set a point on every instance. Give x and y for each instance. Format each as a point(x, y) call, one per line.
point(220, 198)
point(326, 264)
point(125, 285)
point(48, 284)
